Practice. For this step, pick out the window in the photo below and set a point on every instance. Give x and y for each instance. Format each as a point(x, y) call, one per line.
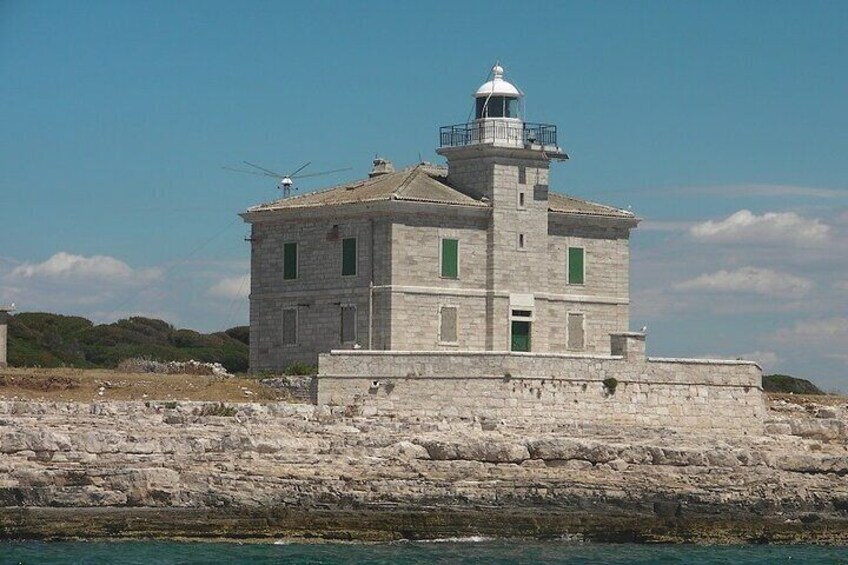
point(520, 329)
point(576, 265)
point(521, 200)
point(497, 107)
point(522, 174)
point(576, 331)
point(521, 241)
point(448, 324)
point(349, 257)
point(348, 324)
point(450, 258)
point(289, 326)
point(289, 261)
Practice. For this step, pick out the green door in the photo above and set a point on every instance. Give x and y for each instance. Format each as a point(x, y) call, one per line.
point(521, 336)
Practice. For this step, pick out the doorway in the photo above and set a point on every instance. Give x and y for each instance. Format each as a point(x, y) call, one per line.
point(520, 335)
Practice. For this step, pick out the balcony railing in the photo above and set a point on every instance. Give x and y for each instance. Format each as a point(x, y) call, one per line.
point(491, 131)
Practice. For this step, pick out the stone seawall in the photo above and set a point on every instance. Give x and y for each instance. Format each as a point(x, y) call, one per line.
point(682, 394)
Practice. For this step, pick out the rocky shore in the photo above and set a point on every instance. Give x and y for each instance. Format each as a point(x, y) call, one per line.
point(266, 471)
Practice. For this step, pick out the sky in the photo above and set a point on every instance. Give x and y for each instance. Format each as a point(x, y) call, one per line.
point(722, 124)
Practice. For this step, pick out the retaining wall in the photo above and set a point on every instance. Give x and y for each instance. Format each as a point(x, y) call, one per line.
point(680, 394)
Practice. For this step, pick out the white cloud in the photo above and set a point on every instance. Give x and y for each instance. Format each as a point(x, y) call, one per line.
point(841, 285)
point(231, 288)
point(749, 280)
point(771, 227)
point(664, 225)
point(768, 360)
point(67, 266)
point(820, 333)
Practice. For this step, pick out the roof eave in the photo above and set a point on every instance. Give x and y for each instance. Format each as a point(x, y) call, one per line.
point(377, 205)
point(631, 219)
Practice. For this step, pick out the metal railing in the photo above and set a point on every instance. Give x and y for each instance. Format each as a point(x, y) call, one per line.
point(490, 131)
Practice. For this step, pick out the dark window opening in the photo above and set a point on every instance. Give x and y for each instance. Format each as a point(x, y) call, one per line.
point(349, 256)
point(290, 261)
point(497, 107)
point(348, 329)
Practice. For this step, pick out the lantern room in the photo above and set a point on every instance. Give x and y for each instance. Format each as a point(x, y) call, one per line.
point(498, 98)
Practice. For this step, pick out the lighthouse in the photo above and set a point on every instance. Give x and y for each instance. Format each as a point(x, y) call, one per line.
point(502, 159)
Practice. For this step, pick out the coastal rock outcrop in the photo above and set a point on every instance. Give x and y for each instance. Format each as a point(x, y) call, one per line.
point(129, 469)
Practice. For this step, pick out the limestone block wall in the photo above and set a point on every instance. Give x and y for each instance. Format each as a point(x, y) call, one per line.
point(415, 320)
point(416, 250)
point(682, 394)
point(607, 258)
point(319, 291)
point(599, 320)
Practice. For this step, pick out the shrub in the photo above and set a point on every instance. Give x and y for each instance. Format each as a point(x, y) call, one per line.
point(301, 368)
point(610, 384)
point(240, 333)
point(786, 383)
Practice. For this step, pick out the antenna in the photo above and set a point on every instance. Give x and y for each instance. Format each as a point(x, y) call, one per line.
point(285, 181)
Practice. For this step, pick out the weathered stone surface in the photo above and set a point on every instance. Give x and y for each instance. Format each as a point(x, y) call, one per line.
point(298, 470)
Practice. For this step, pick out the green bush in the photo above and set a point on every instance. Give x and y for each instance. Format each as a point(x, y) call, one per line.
point(300, 368)
point(787, 383)
point(52, 340)
point(610, 384)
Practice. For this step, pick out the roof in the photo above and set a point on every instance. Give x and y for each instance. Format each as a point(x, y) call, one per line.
point(497, 86)
point(421, 183)
point(569, 205)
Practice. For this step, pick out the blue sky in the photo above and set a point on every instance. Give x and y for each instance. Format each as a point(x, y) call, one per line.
point(721, 123)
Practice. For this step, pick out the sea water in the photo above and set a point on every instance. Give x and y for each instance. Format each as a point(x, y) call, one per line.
point(473, 550)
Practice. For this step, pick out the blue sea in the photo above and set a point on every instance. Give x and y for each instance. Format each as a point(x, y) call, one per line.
point(411, 553)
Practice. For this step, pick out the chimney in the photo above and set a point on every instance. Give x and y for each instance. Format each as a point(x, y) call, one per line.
point(630, 345)
point(381, 167)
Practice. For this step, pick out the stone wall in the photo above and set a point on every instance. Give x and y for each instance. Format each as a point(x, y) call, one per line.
point(319, 291)
point(682, 394)
point(4, 317)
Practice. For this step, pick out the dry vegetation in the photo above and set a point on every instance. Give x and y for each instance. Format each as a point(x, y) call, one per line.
point(85, 385)
point(809, 400)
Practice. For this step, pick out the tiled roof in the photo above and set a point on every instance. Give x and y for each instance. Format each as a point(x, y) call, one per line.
point(422, 183)
point(570, 205)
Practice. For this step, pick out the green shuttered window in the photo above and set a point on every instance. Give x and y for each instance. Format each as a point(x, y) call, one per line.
point(349, 257)
point(289, 261)
point(450, 258)
point(575, 265)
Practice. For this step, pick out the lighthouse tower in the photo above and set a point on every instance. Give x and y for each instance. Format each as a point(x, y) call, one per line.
point(500, 158)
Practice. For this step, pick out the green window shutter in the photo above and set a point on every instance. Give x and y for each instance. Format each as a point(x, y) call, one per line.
point(289, 261)
point(575, 265)
point(349, 256)
point(450, 258)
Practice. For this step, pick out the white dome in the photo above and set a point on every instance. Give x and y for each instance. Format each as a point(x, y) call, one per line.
point(497, 86)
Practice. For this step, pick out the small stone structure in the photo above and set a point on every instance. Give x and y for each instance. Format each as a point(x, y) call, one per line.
point(626, 388)
point(4, 332)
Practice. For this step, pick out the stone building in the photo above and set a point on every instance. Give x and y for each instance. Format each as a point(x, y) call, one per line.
point(4, 322)
point(477, 256)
